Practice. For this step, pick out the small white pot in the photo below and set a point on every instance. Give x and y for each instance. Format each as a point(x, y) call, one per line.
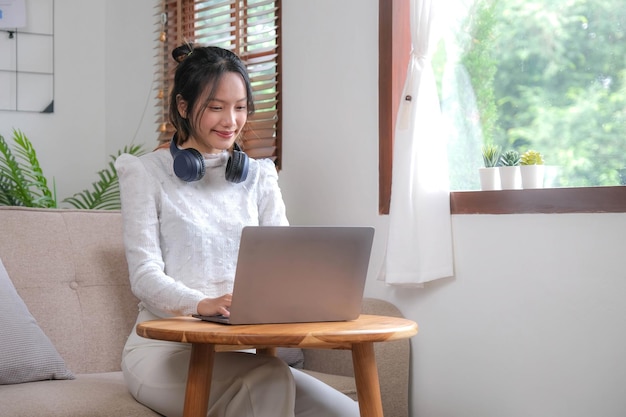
point(532, 176)
point(489, 178)
point(510, 178)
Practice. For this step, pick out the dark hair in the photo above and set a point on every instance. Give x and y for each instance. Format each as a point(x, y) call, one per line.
point(199, 68)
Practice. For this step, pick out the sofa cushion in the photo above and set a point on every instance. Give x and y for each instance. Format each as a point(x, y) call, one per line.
point(293, 356)
point(70, 269)
point(89, 395)
point(26, 353)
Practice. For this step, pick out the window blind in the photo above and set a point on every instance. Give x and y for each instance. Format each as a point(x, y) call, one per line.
point(249, 28)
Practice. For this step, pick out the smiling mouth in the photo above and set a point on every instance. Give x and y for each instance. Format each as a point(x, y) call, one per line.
point(225, 134)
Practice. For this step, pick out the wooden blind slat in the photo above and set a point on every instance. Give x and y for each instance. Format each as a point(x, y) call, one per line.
point(263, 123)
point(263, 77)
point(226, 24)
point(259, 136)
point(259, 3)
point(203, 8)
point(261, 59)
point(216, 15)
point(260, 153)
point(260, 20)
point(262, 106)
point(260, 141)
point(259, 91)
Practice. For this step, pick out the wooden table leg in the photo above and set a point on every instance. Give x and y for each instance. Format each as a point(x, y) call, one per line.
point(270, 351)
point(366, 377)
point(199, 380)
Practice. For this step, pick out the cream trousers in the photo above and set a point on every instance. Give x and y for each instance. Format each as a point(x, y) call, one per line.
point(243, 384)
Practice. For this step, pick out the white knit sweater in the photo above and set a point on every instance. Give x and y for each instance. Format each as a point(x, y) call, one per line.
point(182, 239)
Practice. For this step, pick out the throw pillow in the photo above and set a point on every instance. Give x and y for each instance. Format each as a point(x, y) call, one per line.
point(26, 353)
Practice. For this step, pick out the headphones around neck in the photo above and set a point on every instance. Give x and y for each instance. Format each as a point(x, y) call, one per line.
point(189, 164)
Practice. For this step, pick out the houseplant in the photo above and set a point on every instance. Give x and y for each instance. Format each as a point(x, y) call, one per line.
point(509, 170)
point(532, 169)
point(22, 182)
point(489, 178)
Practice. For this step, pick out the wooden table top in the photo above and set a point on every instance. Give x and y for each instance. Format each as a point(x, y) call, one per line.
point(343, 334)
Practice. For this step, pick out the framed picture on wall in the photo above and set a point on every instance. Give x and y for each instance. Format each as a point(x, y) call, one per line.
point(27, 58)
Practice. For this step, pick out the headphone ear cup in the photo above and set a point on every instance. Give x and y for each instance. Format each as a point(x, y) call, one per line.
point(237, 166)
point(188, 163)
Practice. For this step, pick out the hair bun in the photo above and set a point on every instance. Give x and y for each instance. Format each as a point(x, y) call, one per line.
point(181, 52)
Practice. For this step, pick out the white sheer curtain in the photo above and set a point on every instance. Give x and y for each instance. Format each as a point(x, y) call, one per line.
point(419, 247)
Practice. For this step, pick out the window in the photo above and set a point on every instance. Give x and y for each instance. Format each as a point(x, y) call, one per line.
point(548, 75)
point(251, 29)
point(547, 200)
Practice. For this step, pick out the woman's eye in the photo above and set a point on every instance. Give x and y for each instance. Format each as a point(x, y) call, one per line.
point(243, 108)
point(215, 108)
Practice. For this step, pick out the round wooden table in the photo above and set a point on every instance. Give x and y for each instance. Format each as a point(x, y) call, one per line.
point(357, 335)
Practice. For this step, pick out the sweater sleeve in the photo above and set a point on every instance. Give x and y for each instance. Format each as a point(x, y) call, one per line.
point(140, 196)
point(272, 210)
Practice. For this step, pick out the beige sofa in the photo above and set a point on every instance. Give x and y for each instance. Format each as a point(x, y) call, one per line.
point(69, 269)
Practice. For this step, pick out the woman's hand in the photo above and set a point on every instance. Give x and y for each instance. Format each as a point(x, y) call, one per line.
point(215, 306)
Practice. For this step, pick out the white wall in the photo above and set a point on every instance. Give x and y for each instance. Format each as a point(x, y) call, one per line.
point(103, 70)
point(533, 324)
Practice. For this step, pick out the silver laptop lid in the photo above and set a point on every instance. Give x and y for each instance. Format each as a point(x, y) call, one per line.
point(291, 274)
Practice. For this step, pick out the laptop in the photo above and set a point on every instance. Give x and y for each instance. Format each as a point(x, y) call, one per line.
point(299, 274)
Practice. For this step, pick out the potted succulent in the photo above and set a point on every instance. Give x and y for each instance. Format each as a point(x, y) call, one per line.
point(509, 170)
point(532, 169)
point(489, 178)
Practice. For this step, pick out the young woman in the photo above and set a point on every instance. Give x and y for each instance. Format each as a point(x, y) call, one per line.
point(184, 207)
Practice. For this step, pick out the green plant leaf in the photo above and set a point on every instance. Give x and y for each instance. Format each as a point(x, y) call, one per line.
point(491, 155)
point(23, 183)
point(7, 197)
point(33, 175)
point(15, 189)
point(510, 158)
point(531, 157)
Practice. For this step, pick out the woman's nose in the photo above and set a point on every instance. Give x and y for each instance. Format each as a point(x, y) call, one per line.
point(229, 118)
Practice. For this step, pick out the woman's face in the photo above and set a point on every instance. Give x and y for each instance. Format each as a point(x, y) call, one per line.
point(217, 127)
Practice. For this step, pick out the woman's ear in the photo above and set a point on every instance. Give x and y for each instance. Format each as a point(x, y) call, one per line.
point(181, 105)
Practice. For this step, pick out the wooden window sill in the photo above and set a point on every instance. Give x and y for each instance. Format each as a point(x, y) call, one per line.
point(545, 200)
